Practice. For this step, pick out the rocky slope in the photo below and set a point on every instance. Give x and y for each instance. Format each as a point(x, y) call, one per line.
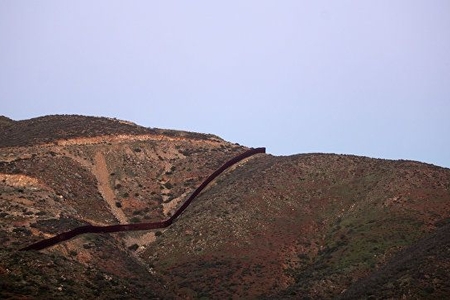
point(303, 226)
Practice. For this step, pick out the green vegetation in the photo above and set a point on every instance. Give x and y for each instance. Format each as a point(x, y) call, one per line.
point(135, 219)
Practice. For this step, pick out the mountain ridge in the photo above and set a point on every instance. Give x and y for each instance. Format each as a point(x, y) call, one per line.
point(53, 128)
point(302, 226)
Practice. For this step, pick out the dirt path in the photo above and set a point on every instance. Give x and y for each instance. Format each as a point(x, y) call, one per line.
point(100, 171)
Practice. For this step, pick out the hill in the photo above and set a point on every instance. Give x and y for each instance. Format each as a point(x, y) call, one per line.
point(303, 226)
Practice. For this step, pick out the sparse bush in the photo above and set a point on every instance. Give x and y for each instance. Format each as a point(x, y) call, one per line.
point(135, 220)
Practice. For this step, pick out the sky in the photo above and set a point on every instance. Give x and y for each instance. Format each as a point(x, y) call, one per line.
point(368, 78)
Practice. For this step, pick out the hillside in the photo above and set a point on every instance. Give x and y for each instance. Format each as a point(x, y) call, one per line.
point(302, 226)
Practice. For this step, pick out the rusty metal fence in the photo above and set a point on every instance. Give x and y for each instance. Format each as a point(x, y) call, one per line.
point(142, 226)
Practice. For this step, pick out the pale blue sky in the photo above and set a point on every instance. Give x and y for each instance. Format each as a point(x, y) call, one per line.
point(357, 77)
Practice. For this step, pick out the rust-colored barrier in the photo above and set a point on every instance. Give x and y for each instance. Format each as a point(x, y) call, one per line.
point(141, 226)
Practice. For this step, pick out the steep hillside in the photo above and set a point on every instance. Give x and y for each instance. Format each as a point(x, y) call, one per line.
point(418, 271)
point(101, 172)
point(301, 226)
point(304, 226)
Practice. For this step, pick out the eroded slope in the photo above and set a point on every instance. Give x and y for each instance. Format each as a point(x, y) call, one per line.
point(47, 188)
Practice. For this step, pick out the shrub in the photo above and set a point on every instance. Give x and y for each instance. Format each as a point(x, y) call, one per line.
point(133, 247)
point(135, 220)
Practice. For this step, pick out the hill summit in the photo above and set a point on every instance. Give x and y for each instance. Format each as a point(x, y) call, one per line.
point(302, 226)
